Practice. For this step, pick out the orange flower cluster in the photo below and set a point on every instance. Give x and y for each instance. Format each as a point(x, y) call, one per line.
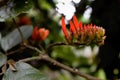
point(84, 34)
point(39, 33)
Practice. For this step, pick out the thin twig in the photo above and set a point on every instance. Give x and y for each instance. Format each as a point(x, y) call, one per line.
point(54, 62)
point(15, 51)
point(33, 48)
point(42, 49)
point(30, 59)
point(22, 38)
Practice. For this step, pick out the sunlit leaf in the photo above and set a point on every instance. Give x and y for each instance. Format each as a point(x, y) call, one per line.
point(3, 59)
point(44, 4)
point(6, 11)
point(24, 72)
point(22, 5)
point(101, 74)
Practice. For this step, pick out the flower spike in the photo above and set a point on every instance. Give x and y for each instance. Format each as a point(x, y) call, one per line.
point(83, 34)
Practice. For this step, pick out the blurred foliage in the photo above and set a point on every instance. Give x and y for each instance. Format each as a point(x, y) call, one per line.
point(24, 72)
point(43, 14)
point(3, 59)
point(22, 5)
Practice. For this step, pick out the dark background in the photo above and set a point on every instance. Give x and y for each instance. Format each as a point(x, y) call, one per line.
point(106, 13)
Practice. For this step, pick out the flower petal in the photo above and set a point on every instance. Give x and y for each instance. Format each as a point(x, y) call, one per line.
point(72, 28)
point(80, 25)
point(76, 22)
point(64, 28)
point(35, 33)
point(43, 33)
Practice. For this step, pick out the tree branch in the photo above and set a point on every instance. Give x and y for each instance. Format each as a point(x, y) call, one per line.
point(33, 48)
point(63, 43)
point(30, 59)
point(15, 51)
point(56, 63)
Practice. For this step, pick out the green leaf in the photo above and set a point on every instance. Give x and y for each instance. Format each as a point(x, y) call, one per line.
point(13, 38)
point(3, 59)
point(22, 5)
point(101, 74)
point(24, 72)
point(44, 4)
point(14, 8)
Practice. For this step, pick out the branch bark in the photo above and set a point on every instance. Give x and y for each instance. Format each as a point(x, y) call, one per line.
point(63, 43)
point(18, 50)
point(56, 63)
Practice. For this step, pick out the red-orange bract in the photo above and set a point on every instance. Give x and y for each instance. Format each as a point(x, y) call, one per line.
point(67, 36)
point(84, 34)
point(39, 33)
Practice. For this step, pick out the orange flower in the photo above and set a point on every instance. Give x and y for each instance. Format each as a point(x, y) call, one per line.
point(35, 33)
point(39, 34)
point(84, 34)
point(43, 34)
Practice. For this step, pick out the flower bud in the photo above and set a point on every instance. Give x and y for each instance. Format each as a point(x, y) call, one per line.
point(39, 34)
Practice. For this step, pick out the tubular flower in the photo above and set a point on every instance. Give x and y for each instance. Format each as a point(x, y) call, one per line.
point(39, 34)
point(67, 36)
point(83, 34)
